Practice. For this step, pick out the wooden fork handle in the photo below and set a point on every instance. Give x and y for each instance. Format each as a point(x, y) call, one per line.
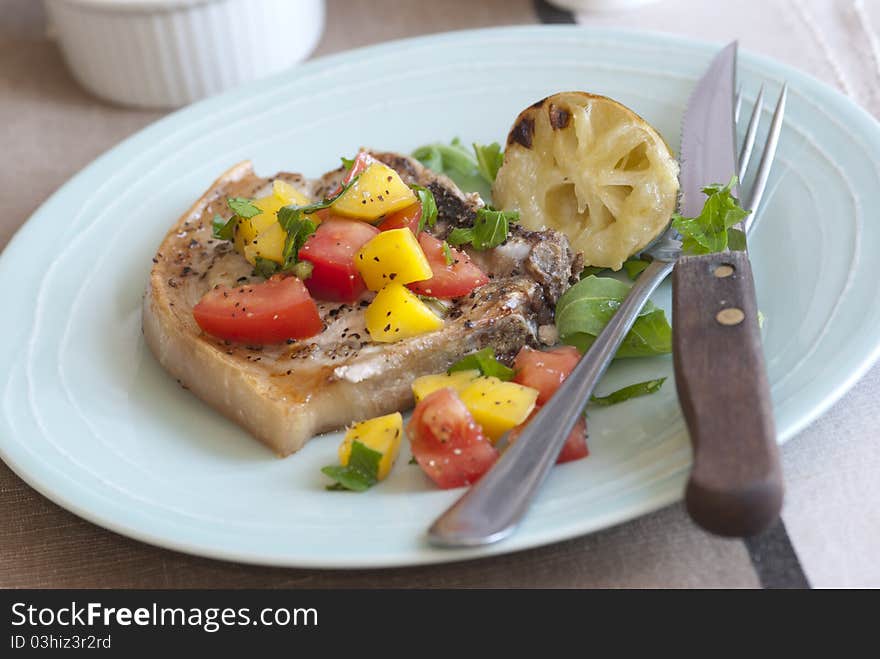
point(735, 486)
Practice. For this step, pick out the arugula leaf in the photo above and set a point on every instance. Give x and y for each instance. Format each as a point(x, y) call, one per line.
point(461, 236)
point(709, 231)
point(585, 308)
point(429, 207)
point(303, 270)
point(243, 207)
point(490, 229)
point(298, 231)
point(265, 267)
point(447, 253)
point(485, 362)
point(489, 160)
point(293, 220)
point(635, 267)
point(631, 391)
point(736, 240)
point(348, 163)
point(361, 472)
point(430, 156)
point(458, 163)
point(223, 229)
point(590, 270)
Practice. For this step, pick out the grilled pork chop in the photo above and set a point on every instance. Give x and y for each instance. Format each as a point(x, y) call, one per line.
point(285, 394)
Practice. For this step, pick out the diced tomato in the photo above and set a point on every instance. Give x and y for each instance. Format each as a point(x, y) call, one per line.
point(331, 251)
point(545, 370)
point(361, 160)
point(407, 218)
point(575, 446)
point(268, 312)
point(449, 280)
point(446, 442)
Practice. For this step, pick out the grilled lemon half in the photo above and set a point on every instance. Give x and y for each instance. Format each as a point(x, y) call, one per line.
point(593, 169)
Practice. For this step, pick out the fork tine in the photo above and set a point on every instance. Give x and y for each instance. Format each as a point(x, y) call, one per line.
point(766, 158)
point(745, 153)
point(737, 106)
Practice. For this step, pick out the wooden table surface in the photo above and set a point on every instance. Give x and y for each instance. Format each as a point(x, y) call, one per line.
point(51, 129)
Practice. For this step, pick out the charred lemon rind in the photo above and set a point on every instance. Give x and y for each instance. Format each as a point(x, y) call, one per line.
point(593, 169)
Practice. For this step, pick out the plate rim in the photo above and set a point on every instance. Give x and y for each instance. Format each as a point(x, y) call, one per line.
point(668, 491)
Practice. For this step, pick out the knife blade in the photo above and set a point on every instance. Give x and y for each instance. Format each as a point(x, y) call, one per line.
point(735, 486)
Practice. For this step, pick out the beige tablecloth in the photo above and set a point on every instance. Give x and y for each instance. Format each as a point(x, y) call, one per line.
point(51, 129)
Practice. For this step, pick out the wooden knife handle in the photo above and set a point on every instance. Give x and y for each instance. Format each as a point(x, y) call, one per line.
point(735, 487)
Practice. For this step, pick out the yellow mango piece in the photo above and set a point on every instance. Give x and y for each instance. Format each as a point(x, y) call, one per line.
point(288, 194)
point(498, 406)
point(397, 313)
point(381, 434)
point(251, 228)
point(268, 245)
point(427, 384)
point(393, 256)
point(377, 192)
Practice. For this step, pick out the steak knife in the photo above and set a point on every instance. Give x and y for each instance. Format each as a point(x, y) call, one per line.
point(735, 486)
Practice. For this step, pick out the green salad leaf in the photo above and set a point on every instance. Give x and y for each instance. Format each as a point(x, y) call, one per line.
point(348, 163)
point(491, 228)
point(710, 231)
point(590, 270)
point(485, 362)
point(265, 267)
point(361, 472)
point(457, 162)
point(243, 207)
point(447, 253)
point(223, 229)
point(293, 220)
point(489, 160)
point(631, 391)
point(635, 267)
point(585, 308)
point(429, 207)
point(298, 230)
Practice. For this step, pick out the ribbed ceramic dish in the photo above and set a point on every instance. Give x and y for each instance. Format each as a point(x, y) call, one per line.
point(91, 420)
point(167, 53)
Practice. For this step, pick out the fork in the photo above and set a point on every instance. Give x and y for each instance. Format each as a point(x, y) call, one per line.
point(493, 507)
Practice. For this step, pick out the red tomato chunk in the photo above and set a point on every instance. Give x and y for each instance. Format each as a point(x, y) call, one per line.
point(446, 442)
point(449, 280)
point(408, 218)
point(546, 371)
point(331, 251)
point(268, 312)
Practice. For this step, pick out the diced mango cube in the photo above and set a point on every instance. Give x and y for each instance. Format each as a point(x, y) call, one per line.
point(397, 313)
point(268, 245)
point(381, 434)
point(376, 192)
point(498, 406)
point(393, 256)
point(250, 229)
point(288, 194)
point(428, 384)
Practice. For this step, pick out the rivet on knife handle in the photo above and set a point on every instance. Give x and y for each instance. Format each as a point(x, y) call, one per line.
point(735, 488)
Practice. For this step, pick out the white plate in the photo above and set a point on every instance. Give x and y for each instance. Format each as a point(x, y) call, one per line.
point(91, 420)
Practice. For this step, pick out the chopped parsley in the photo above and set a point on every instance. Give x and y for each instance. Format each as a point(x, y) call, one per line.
point(485, 362)
point(361, 472)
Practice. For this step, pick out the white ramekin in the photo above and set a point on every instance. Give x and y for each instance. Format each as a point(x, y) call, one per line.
point(167, 53)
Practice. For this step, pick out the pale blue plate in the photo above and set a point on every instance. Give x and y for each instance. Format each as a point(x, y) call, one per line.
point(90, 419)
